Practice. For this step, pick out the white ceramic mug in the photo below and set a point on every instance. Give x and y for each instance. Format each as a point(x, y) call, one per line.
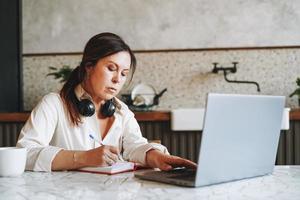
point(12, 161)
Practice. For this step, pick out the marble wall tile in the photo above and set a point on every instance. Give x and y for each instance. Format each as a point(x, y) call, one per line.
point(186, 74)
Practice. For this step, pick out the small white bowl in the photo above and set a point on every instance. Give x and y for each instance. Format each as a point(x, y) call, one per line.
point(145, 92)
point(12, 161)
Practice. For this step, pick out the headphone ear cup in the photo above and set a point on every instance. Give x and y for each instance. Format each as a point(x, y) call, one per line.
point(86, 107)
point(108, 108)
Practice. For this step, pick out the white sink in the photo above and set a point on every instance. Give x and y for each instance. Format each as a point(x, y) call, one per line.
point(187, 119)
point(191, 119)
point(285, 124)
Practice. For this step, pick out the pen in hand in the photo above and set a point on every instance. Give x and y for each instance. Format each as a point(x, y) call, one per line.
point(100, 143)
point(93, 138)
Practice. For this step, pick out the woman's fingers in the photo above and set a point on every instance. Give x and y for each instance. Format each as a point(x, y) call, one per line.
point(165, 162)
point(108, 161)
point(165, 167)
point(111, 155)
point(112, 149)
point(175, 161)
point(102, 156)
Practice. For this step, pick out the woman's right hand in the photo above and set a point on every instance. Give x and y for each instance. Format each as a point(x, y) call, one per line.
point(101, 156)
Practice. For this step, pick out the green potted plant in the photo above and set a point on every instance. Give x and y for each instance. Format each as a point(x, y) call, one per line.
point(297, 91)
point(62, 73)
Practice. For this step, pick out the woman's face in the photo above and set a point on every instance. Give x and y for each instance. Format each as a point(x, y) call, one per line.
point(105, 80)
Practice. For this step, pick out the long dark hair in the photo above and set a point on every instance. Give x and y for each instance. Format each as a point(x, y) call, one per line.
point(99, 46)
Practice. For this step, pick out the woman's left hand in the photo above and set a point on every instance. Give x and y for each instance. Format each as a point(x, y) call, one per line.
point(157, 159)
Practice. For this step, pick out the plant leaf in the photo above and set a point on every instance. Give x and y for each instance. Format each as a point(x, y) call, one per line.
point(52, 68)
point(62, 73)
point(296, 92)
point(298, 81)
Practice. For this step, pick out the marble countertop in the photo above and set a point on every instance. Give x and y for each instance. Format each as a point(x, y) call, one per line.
point(284, 183)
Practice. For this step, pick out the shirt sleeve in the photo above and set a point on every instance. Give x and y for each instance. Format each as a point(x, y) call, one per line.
point(37, 133)
point(135, 146)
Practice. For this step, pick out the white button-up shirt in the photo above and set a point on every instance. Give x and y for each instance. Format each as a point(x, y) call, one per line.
point(48, 130)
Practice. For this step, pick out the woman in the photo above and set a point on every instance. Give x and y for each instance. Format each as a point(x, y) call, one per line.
point(86, 125)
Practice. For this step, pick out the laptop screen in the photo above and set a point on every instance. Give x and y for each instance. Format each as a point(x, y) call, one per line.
point(240, 137)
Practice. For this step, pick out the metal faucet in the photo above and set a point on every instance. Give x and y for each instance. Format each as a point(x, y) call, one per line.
point(233, 69)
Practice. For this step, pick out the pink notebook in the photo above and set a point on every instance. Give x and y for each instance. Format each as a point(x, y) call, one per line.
point(116, 168)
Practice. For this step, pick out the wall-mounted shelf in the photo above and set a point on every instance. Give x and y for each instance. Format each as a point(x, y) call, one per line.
point(140, 116)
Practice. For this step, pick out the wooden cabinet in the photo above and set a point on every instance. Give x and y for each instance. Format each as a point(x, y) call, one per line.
point(156, 126)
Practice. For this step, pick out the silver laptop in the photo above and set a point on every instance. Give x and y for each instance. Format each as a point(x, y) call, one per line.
point(240, 139)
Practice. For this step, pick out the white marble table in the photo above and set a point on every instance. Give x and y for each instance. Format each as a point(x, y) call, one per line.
point(283, 184)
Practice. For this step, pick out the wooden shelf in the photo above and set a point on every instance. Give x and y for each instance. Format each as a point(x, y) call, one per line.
point(140, 116)
point(14, 117)
point(153, 116)
point(295, 114)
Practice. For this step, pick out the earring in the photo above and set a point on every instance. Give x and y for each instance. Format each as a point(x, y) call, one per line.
point(88, 75)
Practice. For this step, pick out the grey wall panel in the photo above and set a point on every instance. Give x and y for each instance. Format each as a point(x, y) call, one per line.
point(296, 125)
point(10, 56)
point(9, 133)
point(65, 26)
point(184, 144)
point(289, 145)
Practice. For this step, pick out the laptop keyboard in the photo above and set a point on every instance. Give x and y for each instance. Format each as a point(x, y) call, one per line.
point(182, 173)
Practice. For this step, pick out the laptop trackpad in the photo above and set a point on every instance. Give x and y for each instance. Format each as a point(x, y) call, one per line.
point(178, 176)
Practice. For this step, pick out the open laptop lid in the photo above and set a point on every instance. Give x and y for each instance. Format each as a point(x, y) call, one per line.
point(240, 137)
